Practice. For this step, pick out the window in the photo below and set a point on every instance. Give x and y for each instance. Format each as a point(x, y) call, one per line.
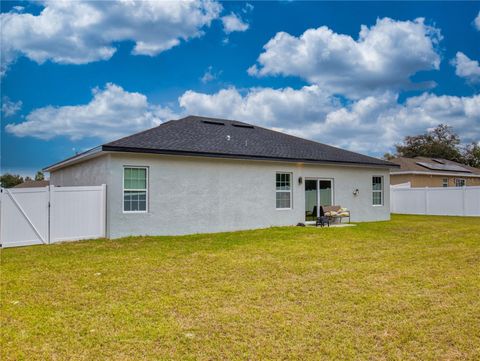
point(135, 184)
point(445, 182)
point(283, 191)
point(459, 182)
point(377, 191)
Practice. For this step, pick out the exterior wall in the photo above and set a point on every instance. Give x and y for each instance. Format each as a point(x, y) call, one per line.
point(194, 195)
point(93, 172)
point(427, 180)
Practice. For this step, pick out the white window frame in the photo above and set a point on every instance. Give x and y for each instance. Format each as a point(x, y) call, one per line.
point(139, 190)
point(445, 182)
point(462, 180)
point(381, 191)
point(284, 191)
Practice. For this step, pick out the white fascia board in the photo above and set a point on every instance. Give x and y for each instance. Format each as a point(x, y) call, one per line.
point(89, 154)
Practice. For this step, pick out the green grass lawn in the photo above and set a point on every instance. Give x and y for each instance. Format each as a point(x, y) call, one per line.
point(408, 289)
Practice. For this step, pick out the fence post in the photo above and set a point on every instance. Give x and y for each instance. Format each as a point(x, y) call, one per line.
point(426, 200)
point(104, 209)
point(50, 189)
point(464, 200)
point(392, 204)
point(1, 215)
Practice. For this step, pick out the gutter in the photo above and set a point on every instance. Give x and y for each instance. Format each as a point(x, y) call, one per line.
point(240, 156)
point(103, 149)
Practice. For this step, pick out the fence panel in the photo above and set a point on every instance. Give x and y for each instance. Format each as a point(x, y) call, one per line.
point(77, 213)
point(24, 216)
point(409, 199)
point(452, 201)
point(472, 201)
point(47, 215)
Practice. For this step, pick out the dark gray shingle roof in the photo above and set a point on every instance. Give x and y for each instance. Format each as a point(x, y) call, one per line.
point(214, 137)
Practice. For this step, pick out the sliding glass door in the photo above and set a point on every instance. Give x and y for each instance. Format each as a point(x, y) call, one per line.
point(318, 192)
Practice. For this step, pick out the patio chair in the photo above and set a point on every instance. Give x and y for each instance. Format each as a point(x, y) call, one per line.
point(322, 220)
point(313, 213)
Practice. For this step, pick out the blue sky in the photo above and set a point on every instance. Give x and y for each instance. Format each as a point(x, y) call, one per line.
point(359, 75)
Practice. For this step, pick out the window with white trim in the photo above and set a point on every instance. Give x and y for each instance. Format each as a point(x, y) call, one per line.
point(445, 182)
point(135, 188)
point(459, 182)
point(377, 190)
point(283, 190)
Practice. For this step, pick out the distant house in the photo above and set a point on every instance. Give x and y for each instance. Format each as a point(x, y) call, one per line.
point(433, 172)
point(33, 184)
point(197, 174)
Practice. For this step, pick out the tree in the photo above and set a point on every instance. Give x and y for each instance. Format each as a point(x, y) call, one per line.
point(388, 156)
point(9, 180)
point(441, 142)
point(39, 176)
point(471, 155)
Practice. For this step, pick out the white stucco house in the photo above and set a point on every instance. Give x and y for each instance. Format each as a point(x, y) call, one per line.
point(197, 174)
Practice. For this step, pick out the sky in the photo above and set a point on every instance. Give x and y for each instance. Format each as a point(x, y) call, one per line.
point(357, 75)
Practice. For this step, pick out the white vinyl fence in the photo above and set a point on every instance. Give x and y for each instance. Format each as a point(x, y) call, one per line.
point(448, 201)
point(51, 214)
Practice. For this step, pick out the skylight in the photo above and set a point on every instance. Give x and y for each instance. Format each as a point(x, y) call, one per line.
point(243, 125)
point(212, 122)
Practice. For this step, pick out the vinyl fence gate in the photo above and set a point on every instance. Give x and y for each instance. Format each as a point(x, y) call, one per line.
point(51, 214)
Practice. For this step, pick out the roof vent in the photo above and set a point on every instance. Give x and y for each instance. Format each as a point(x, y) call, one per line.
point(212, 122)
point(243, 125)
point(441, 161)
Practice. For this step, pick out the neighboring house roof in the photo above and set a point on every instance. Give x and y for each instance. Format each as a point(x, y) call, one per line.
point(212, 137)
point(33, 184)
point(438, 166)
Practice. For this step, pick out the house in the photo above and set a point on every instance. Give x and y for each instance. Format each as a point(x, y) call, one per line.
point(433, 172)
point(198, 174)
point(33, 184)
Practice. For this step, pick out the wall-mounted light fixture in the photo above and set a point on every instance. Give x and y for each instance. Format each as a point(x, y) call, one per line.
point(356, 192)
point(300, 180)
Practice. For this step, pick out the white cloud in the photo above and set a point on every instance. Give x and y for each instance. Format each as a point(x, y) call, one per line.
point(375, 124)
point(79, 32)
point(384, 57)
point(371, 125)
point(278, 108)
point(477, 21)
point(466, 68)
point(112, 113)
point(9, 107)
point(210, 75)
point(247, 8)
point(233, 23)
